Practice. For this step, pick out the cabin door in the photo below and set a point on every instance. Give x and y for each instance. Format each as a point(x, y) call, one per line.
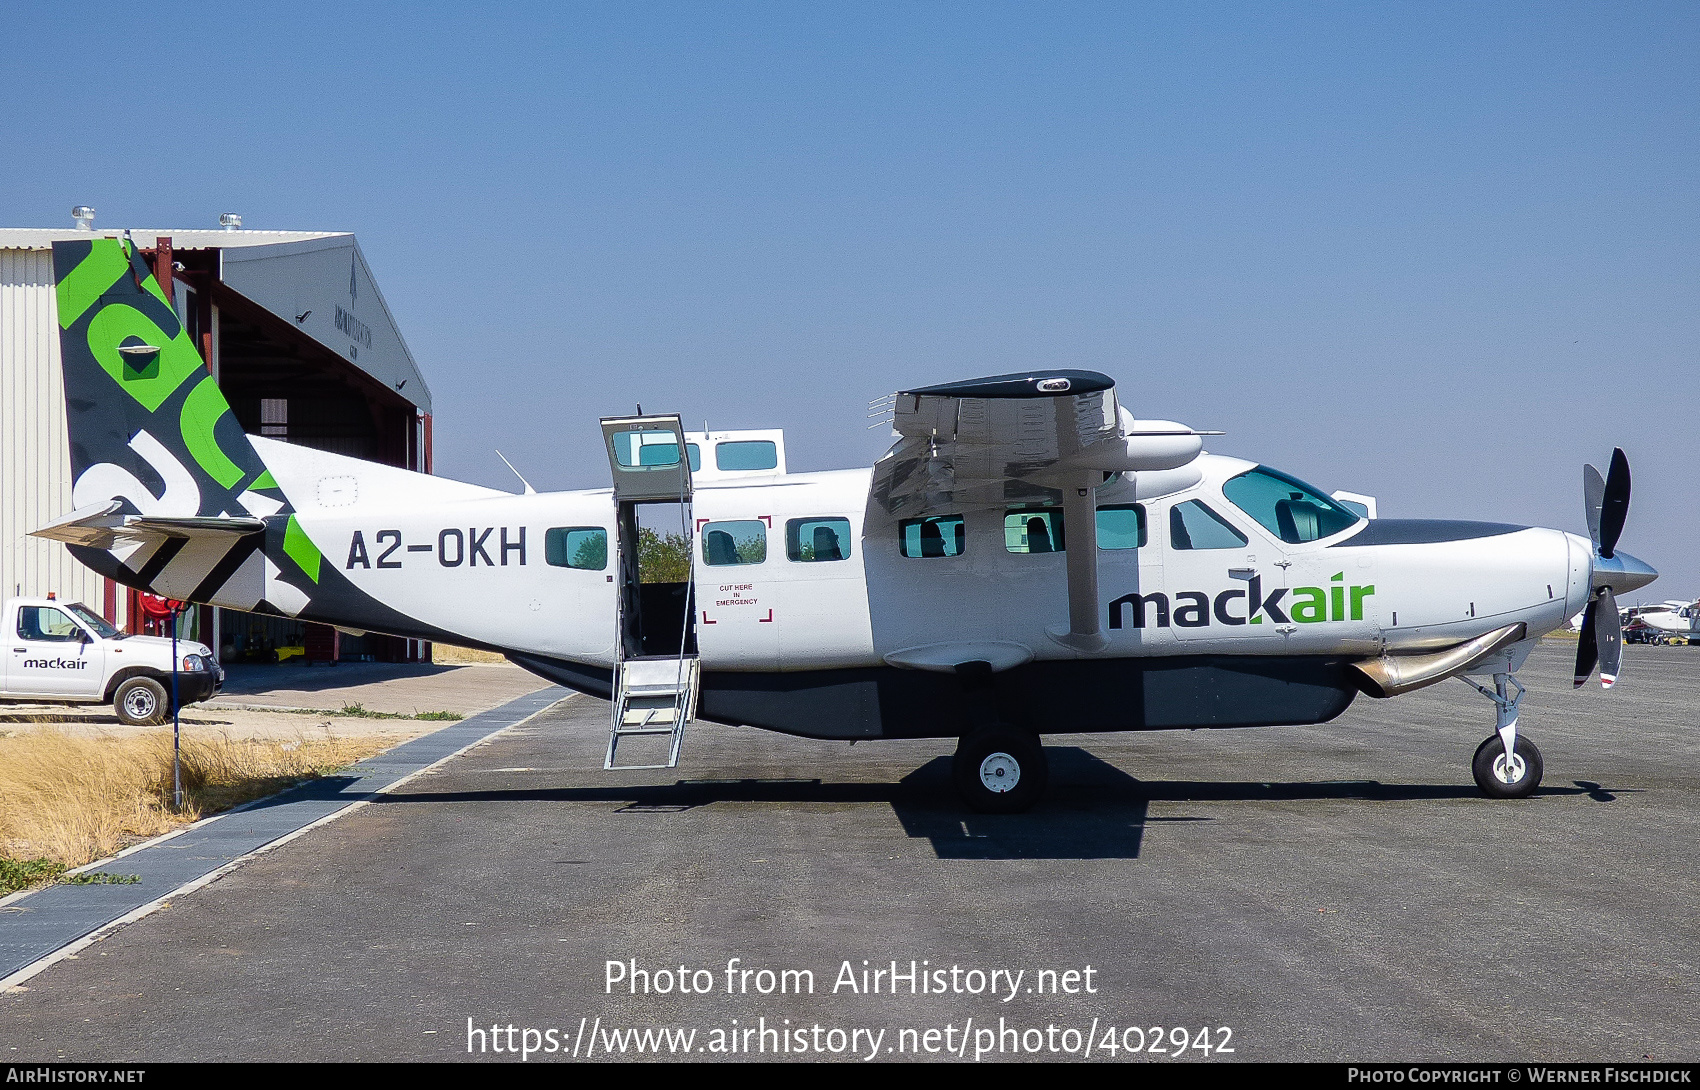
point(656, 670)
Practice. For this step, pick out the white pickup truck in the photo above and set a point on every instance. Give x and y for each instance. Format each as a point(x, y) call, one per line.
point(66, 653)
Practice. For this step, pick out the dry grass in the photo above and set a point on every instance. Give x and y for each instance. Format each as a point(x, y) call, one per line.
point(73, 798)
point(443, 654)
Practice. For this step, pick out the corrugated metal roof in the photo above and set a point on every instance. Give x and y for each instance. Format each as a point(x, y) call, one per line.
point(39, 238)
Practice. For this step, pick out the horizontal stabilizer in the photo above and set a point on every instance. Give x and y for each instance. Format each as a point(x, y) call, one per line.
point(100, 526)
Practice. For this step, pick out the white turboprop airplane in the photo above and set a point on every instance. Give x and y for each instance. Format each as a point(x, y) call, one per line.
point(1026, 559)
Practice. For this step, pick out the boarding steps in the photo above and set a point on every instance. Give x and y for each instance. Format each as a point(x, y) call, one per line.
point(655, 697)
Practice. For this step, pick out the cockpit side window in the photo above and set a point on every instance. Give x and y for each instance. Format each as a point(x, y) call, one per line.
point(1194, 526)
point(1287, 507)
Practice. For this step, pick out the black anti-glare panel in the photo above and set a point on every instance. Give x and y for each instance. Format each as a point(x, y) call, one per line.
point(1424, 532)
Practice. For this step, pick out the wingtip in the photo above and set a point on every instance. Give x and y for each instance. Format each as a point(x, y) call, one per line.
point(1607, 680)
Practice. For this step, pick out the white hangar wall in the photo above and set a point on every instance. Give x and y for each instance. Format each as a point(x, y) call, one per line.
point(35, 463)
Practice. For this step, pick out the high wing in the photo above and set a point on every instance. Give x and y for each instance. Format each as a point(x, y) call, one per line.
point(1016, 439)
point(1041, 437)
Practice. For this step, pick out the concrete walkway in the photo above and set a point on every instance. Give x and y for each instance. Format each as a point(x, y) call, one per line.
point(394, 688)
point(37, 925)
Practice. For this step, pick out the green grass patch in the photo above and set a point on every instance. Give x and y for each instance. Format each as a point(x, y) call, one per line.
point(101, 878)
point(16, 874)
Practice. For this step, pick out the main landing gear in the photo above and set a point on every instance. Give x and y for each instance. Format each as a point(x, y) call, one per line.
point(1000, 770)
point(1506, 766)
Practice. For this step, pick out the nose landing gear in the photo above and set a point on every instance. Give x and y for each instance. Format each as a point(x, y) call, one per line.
point(1506, 766)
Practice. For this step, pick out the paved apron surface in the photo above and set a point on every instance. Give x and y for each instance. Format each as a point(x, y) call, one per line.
point(1332, 892)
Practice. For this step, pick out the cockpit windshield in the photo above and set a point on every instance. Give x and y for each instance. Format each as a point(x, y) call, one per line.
point(1287, 507)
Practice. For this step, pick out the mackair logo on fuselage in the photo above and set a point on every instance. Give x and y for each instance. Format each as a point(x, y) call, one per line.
point(1195, 608)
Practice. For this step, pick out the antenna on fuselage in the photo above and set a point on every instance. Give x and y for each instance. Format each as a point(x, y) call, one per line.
point(529, 491)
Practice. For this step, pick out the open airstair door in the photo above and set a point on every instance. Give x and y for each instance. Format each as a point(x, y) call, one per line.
point(656, 672)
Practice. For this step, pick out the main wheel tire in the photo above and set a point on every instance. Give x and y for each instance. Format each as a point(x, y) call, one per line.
point(1500, 782)
point(1000, 770)
point(141, 702)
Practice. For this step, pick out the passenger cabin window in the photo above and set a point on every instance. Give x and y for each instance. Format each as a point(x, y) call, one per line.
point(1033, 530)
point(576, 547)
point(1287, 507)
point(938, 535)
point(1121, 526)
point(811, 541)
point(694, 453)
point(740, 542)
point(642, 449)
point(745, 455)
point(46, 623)
point(1194, 526)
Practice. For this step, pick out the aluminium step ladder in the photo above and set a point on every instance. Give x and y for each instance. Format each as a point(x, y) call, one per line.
point(654, 697)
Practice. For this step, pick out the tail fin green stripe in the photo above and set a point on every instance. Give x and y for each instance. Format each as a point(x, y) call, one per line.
point(201, 412)
point(88, 282)
point(158, 375)
point(300, 548)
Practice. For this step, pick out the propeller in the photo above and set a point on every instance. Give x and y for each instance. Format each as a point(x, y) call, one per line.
point(1606, 500)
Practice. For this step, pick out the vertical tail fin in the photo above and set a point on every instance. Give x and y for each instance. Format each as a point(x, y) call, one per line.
point(157, 457)
point(171, 426)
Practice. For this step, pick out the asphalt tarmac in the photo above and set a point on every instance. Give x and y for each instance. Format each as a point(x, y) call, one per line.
point(1339, 892)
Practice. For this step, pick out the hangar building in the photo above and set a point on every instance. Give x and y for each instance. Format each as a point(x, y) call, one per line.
point(300, 340)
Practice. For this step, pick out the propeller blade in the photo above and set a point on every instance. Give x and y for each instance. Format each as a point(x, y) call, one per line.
point(1608, 631)
point(1587, 650)
point(1593, 495)
point(1614, 507)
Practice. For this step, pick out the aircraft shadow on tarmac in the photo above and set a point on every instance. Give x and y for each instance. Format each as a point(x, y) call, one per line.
point(247, 679)
point(1093, 810)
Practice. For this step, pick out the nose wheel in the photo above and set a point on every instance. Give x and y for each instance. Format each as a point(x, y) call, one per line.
point(1000, 770)
point(1507, 765)
point(1499, 778)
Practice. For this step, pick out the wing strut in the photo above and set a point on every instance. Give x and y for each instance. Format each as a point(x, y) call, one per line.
point(1085, 631)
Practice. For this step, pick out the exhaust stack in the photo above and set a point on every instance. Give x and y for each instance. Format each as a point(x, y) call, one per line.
point(1391, 675)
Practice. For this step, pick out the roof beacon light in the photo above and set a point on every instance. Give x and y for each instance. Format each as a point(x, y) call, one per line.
point(84, 215)
point(230, 221)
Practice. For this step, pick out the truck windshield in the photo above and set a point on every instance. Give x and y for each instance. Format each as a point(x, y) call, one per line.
point(94, 620)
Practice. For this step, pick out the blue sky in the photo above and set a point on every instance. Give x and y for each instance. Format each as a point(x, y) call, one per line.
point(1443, 254)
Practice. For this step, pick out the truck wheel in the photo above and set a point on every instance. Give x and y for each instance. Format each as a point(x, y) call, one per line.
point(1000, 770)
point(141, 702)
